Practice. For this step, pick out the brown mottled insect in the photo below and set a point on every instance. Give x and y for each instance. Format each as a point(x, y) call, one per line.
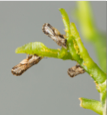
point(25, 64)
point(54, 34)
point(73, 71)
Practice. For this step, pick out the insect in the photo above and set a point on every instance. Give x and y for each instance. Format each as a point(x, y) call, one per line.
point(54, 34)
point(75, 70)
point(35, 47)
point(25, 64)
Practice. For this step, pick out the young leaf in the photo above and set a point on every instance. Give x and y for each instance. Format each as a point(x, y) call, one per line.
point(91, 104)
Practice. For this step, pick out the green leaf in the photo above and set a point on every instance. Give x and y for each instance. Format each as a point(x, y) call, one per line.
point(41, 50)
point(91, 104)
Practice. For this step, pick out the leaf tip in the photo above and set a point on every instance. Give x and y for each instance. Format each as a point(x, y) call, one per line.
point(17, 50)
point(61, 10)
point(80, 98)
point(80, 101)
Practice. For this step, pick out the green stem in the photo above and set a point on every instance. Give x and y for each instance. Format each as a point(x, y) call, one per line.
point(78, 51)
point(89, 30)
point(66, 21)
point(88, 64)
